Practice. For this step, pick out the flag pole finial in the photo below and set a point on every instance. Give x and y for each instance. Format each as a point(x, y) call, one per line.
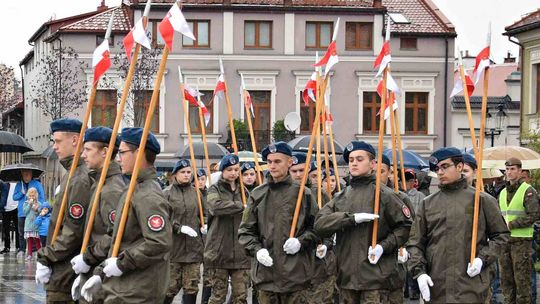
point(460, 59)
point(387, 37)
point(147, 8)
point(221, 69)
point(336, 28)
point(317, 69)
point(489, 34)
point(180, 77)
point(109, 26)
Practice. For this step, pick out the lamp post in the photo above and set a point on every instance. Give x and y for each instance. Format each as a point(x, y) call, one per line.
point(496, 127)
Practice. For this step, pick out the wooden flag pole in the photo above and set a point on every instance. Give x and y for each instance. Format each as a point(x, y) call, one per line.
point(326, 158)
point(400, 149)
point(251, 133)
point(334, 158)
point(140, 152)
point(202, 123)
point(393, 135)
point(318, 161)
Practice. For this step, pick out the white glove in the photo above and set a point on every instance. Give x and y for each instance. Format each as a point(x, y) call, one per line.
point(111, 268)
point(321, 251)
point(78, 265)
point(424, 283)
point(76, 289)
point(403, 256)
point(263, 256)
point(474, 269)
point(374, 254)
point(291, 246)
point(43, 273)
point(204, 229)
point(365, 217)
point(91, 287)
point(188, 230)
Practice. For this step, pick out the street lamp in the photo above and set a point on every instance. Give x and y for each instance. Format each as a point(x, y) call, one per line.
point(496, 127)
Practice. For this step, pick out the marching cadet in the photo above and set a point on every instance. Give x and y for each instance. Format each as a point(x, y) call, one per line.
point(53, 263)
point(440, 240)
point(96, 143)
point(282, 267)
point(329, 178)
point(223, 254)
point(188, 247)
point(364, 273)
point(249, 175)
point(520, 208)
point(297, 169)
point(202, 179)
point(312, 173)
point(140, 273)
point(469, 168)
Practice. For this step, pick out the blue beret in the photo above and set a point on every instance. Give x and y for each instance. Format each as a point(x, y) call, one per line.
point(357, 145)
point(227, 161)
point(312, 166)
point(470, 160)
point(278, 147)
point(133, 136)
point(324, 173)
point(181, 164)
point(299, 158)
point(247, 166)
point(201, 172)
point(100, 134)
point(442, 154)
point(66, 125)
point(386, 161)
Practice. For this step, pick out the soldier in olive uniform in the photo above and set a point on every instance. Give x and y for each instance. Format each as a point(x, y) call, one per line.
point(140, 273)
point(96, 144)
point(440, 240)
point(53, 262)
point(223, 254)
point(520, 208)
point(282, 267)
point(188, 247)
point(203, 179)
point(365, 273)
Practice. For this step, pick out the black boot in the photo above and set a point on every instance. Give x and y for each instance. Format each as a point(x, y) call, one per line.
point(206, 293)
point(189, 299)
point(168, 300)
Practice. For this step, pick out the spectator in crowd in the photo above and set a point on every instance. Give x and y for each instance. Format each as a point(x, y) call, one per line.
point(31, 208)
point(42, 222)
point(9, 217)
point(526, 175)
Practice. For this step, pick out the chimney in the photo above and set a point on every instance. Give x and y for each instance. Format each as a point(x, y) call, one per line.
point(509, 58)
point(102, 7)
point(466, 53)
point(377, 4)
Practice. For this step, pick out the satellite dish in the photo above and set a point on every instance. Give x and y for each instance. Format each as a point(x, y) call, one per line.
point(292, 121)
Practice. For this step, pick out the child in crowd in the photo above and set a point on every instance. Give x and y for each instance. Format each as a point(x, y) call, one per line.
point(42, 222)
point(31, 208)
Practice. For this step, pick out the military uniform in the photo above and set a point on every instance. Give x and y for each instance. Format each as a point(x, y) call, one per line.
point(223, 254)
point(519, 203)
point(187, 251)
point(68, 243)
point(144, 251)
point(441, 238)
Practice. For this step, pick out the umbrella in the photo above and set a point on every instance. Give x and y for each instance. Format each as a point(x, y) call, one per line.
point(12, 173)
point(247, 156)
point(301, 144)
point(412, 159)
point(11, 142)
point(495, 157)
point(214, 151)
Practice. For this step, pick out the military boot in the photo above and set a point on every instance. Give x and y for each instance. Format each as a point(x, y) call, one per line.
point(189, 299)
point(168, 300)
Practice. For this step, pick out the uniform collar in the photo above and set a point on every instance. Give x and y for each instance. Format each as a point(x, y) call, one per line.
point(66, 162)
point(362, 180)
point(225, 184)
point(144, 174)
point(287, 181)
point(457, 185)
point(514, 187)
point(114, 169)
point(180, 185)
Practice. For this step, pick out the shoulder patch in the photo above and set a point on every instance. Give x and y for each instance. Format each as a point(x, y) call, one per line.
point(76, 211)
point(112, 216)
point(156, 222)
point(406, 211)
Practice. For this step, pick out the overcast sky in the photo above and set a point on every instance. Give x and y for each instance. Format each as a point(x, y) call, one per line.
point(20, 19)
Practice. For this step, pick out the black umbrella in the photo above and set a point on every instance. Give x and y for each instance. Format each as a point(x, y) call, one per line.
point(12, 173)
point(301, 144)
point(11, 142)
point(214, 151)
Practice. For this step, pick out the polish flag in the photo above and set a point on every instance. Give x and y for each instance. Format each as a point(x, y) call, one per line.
point(137, 34)
point(383, 59)
point(101, 60)
point(391, 99)
point(194, 97)
point(310, 89)
point(249, 102)
point(329, 59)
point(219, 90)
point(458, 86)
point(174, 21)
point(482, 62)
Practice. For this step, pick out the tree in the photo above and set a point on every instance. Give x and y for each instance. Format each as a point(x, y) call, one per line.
point(9, 87)
point(59, 89)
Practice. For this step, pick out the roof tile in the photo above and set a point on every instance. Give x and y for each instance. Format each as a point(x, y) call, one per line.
point(99, 22)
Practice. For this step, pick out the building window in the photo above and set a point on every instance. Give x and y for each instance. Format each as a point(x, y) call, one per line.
point(99, 40)
point(416, 112)
point(408, 43)
point(318, 34)
point(201, 31)
point(258, 34)
point(155, 36)
point(261, 122)
point(194, 122)
point(104, 109)
point(358, 35)
point(140, 108)
point(307, 115)
point(370, 108)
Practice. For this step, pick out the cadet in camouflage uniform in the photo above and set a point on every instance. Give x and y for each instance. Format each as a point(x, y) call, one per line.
point(249, 175)
point(440, 240)
point(223, 255)
point(53, 262)
point(207, 287)
point(520, 208)
point(282, 267)
point(96, 142)
point(140, 273)
point(365, 274)
point(188, 247)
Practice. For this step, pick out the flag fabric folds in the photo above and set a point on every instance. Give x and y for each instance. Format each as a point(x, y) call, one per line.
point(137, 34)
point(174, 21)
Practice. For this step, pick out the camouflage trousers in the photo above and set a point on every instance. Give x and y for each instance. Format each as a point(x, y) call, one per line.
point(186, 276)
point(395, 296)
point(219, 279)
point(515, 266)
point(54, 297)
point(295, 297)
point(348, 296)
point(206, 276)
point(322, 293)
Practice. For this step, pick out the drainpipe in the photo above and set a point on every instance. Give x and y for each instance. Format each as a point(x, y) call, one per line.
point(521, 89)
point(445, 91)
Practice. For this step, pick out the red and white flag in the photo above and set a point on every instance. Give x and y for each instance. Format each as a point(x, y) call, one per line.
point(330, 58)
point(249, 103)
point(101, 60)
point(482, 62)
point(174, 21)
point(458, 86)
point(194, 97)
point(137, 34)
point(219, 90)
point(310, 90)
point(391, 100)
point(383, 59)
